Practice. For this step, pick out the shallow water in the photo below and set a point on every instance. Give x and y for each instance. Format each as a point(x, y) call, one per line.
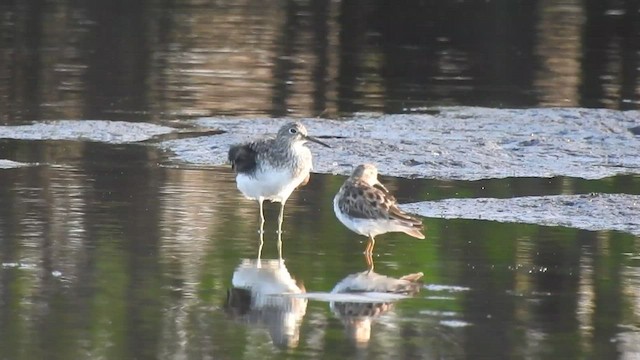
point(107, 252)
point(114, 250)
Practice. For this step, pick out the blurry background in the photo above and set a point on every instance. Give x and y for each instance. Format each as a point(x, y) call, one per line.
point(162, 59)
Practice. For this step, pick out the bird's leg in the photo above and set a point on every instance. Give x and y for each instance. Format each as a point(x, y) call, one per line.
point(260, 246)
point(370, 244)
point(260, 201)
point(369, 260)
point(368, 253)
point(281, 217)
point(261, 231)
point(280, 246)
point(280, 220)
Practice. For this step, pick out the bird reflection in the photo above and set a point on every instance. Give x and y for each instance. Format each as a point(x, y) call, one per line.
point(358, 317)
point(261, 295)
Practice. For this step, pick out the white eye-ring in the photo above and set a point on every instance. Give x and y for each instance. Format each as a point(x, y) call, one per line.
point(293, 131)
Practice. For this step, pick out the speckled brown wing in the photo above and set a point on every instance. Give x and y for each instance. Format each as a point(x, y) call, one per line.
point(363, 201)
point(396, 213)
point(359, 200)
point(386, 192)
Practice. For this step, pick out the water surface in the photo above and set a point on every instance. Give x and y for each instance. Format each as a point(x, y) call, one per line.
point(107, 252)
point(118, 251)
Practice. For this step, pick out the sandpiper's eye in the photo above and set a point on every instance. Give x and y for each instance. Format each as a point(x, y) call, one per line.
point(293, 131)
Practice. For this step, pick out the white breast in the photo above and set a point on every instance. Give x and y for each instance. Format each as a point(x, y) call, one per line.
point(270, 184)
point(276, 183)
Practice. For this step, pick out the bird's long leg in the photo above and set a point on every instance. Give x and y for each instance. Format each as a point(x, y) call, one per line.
point(261, 231)
point(369, 260)
point(370, 244)
point(281, 217)
point(368, 253)
point(280, 220)
point(260, 201)
point(280, 246)
point(260, 246)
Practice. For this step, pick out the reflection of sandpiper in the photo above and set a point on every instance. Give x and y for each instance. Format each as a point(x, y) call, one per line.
point(367, 208)
point(262, 295)
point(357, 317)
point(271, 169)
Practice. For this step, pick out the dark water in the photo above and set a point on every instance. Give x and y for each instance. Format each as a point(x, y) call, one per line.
point(115, 252)
point(107, 254)
point(166, 59)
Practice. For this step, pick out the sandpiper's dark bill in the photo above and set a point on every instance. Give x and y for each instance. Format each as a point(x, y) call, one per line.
point(315, 140)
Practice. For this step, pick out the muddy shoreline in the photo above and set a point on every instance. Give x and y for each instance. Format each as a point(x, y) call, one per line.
point(459, 143)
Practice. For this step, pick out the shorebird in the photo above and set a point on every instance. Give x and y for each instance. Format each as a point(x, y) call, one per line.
point(366, 207)
point(271, 169)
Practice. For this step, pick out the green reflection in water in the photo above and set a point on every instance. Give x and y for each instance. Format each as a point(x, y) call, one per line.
point(146, 255)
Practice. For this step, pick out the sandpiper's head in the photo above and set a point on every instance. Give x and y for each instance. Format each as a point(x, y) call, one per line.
point(296, 132)
point(367, 173)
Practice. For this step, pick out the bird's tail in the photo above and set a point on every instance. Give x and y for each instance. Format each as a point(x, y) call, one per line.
point(416, 233)
point(413, 226)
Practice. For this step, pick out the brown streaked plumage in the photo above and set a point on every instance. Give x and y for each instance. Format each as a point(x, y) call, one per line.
point(367, 208)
